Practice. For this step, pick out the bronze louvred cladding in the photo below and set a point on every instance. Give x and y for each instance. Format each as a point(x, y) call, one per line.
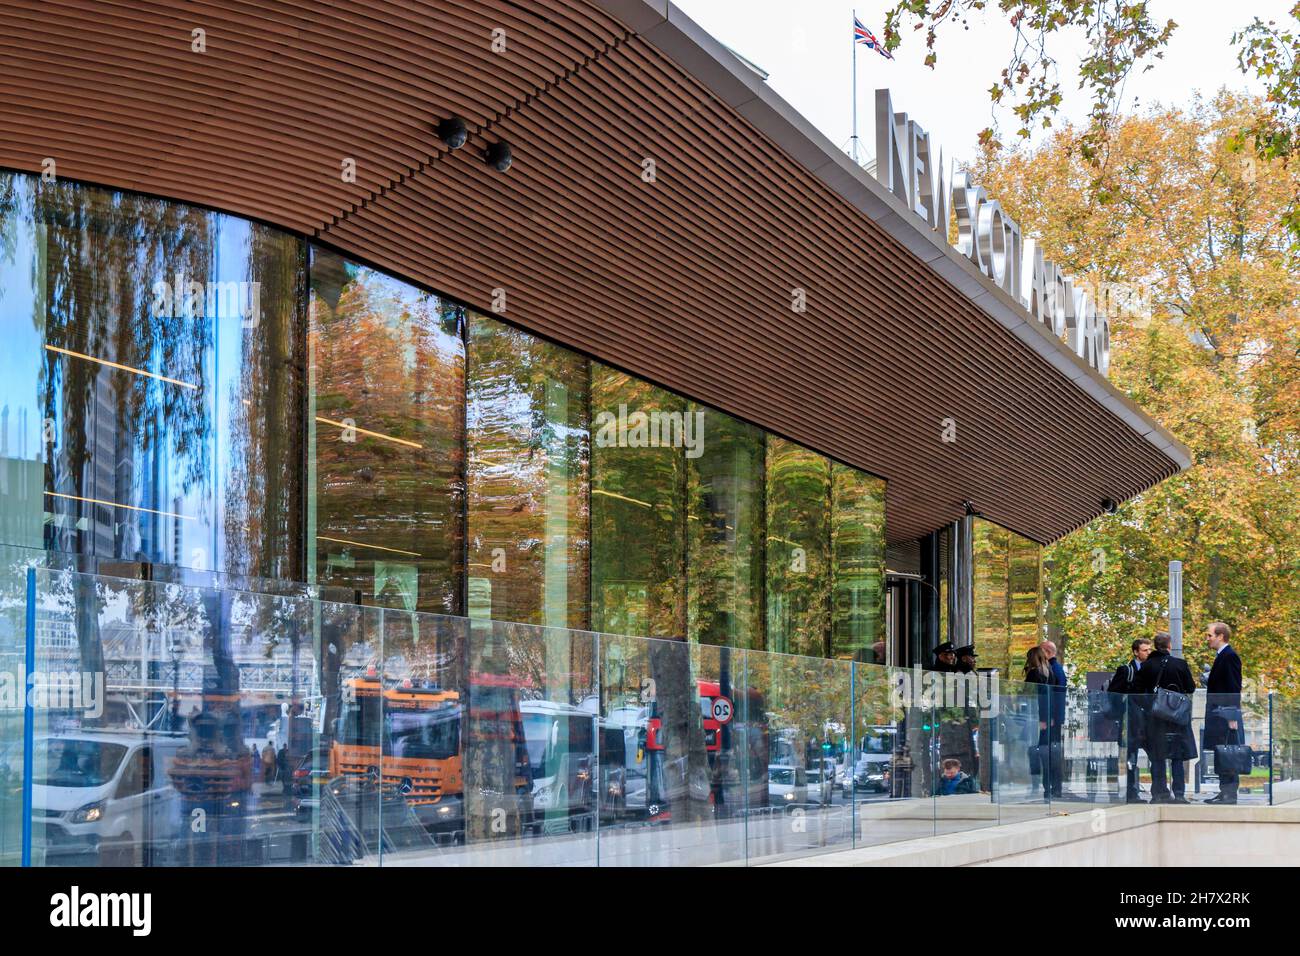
point(686, 280)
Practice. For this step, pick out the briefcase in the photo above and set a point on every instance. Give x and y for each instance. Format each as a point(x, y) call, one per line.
point(1104, 716)
point(1233, 758)
point(1172, 707)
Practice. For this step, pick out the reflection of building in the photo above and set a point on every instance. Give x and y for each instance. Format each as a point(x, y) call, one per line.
point(437, 452)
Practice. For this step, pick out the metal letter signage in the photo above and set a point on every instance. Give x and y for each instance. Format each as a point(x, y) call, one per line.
point(911, 166)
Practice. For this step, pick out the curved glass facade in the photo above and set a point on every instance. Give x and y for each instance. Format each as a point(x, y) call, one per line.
point(153, 381)
point(186, 389)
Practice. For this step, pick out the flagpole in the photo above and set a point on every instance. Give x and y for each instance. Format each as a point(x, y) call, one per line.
point(855, 88)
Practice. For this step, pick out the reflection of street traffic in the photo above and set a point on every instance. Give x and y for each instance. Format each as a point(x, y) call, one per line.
point(244, 749)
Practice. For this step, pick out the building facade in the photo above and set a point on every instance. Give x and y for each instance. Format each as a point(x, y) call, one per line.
point(355, 356)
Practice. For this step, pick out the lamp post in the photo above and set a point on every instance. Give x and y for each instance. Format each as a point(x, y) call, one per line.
point(1176, 608)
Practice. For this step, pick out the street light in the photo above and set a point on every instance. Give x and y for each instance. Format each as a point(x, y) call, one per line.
point(1176, 608)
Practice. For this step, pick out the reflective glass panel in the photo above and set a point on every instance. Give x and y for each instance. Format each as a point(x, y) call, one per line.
point(725, 522)
point(857, 565)
point(388, 367)
point(528, 447)
point(168, 380)
point(798, 549)
point(638, 507)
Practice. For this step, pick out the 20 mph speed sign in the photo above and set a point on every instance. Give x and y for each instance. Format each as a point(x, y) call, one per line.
point(722, 709)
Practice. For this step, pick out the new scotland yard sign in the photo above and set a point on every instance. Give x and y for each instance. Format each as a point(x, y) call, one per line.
point(911, 166)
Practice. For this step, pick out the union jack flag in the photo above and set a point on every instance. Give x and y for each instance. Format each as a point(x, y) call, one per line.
point(862, 35)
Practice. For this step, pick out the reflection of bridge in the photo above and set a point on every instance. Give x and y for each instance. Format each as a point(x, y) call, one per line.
point(275, 676)
point(140, 659)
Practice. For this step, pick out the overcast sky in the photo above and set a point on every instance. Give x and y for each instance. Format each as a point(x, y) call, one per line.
point(806, 48)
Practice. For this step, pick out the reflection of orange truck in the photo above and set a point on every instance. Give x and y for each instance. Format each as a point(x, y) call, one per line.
point(405, 736)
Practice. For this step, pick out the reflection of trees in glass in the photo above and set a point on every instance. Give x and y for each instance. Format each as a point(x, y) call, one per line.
point(990, 571)
point(724, 530)
point(637, 518)
point(798, 549)
point(120, 436)
point(1026, 597)
point(858, 564)
point(188, 442)
point(1007, 596)
point(527, 475)
point(388, 366)
point(807, 705)
point(264, 496)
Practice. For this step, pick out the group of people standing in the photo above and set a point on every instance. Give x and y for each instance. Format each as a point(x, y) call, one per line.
point(954, 660)
point(271, 765)
point(1153, 697)
point(1164, 728)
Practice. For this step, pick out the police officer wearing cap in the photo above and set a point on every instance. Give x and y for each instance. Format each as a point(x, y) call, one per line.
point(945, 658)
point(965, 659)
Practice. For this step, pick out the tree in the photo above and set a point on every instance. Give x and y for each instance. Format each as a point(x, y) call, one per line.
point(1121, 37)
point(1208, 342)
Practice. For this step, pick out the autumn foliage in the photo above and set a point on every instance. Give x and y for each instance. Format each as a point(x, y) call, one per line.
point(1189, 230)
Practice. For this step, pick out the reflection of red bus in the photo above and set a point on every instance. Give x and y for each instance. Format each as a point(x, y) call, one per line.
point(710, 691)
point(738, 750)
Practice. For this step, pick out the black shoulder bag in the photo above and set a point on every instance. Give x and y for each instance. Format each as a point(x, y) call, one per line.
point(1172, 706)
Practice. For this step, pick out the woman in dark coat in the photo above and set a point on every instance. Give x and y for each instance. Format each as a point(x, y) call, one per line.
point(1039, 671)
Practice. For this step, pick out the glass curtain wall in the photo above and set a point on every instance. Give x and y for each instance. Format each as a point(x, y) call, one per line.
point(187, 390)
point(152, 380)
point(188, 396)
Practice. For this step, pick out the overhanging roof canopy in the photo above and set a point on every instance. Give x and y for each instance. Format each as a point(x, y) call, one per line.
point(687, 280)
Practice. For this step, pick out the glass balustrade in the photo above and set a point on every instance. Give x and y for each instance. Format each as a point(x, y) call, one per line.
point(168, 724)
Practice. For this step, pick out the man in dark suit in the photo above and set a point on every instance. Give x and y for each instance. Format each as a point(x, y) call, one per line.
point(1124, 684)
point(1166, 742)
point(1222, 704)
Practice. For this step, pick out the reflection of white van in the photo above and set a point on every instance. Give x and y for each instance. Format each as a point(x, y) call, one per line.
point(786, 784)
point(101, 790)
point(561, 742)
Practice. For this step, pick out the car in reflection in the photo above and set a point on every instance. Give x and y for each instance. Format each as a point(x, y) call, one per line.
point(309, 776)
point(105, 793)
point(875, 757)
point(871, 777)
point(787, 785)
point(843, 780)
point(821, 784)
